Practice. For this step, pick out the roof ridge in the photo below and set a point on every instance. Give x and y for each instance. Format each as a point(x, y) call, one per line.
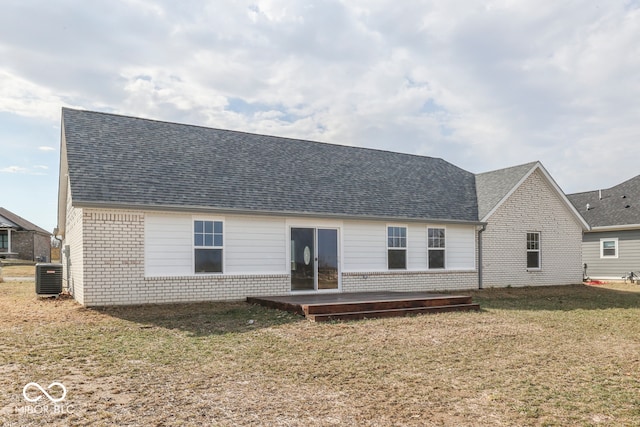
point(380, 150)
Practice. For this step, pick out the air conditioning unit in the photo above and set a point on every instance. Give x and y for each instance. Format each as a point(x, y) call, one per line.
point(48, 279)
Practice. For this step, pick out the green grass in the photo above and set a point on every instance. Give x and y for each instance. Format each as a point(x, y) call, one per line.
point(552, 356)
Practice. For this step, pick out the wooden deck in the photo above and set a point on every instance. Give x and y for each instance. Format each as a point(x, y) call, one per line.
point(361, 305)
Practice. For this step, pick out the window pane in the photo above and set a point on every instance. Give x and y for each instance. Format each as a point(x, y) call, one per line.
point(198, 240)
point(217, 227)
point(208, 239)
point(609, 248)
point(208, 260)
point(208, 227)
point(533, 259)
point(217, 240)
point(397, 259)
point(436, 258)
point(198, 226)
point(533, 241)
point(436, 238)
point(396, 237)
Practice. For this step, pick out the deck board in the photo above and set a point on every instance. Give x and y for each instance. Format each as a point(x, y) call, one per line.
point(374, 304)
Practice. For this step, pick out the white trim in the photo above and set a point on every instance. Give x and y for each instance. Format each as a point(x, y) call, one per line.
point(324, 224)
point(446, 245)
point(406, 245)
point(221, 219)
point(539, 250)
point(615, 227)
point(609, 239)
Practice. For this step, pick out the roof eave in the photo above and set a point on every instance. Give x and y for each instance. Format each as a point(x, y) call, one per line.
point(619, 227)
point(210, 209)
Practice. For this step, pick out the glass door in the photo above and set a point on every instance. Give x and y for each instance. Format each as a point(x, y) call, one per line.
point(303, 259)
point(314, 259)
point(327, 258)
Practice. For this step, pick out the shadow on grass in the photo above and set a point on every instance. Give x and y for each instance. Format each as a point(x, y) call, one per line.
point(572, 297)
point(202, 319)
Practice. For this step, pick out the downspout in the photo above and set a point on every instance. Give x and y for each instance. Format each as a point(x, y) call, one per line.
point(484, 227)
point(55, 236)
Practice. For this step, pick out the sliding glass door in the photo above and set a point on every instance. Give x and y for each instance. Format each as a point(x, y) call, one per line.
point(314, 259)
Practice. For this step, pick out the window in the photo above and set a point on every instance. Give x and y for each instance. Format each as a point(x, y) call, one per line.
point(609, 248)
point(207, 242)
point(4, 240)
point(435, 247)
point(396, 248)
point(533, 250)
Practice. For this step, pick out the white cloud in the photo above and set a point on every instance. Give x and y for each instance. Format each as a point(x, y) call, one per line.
point(13, 169)
point(46, 148)
point(481, 84)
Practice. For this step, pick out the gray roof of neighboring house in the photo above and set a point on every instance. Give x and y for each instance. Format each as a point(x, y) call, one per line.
point(619, 205)
point(10, 220)
point(493, 186)
point(125, 161)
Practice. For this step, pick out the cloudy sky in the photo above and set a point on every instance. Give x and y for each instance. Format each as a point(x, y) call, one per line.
point(484, 85)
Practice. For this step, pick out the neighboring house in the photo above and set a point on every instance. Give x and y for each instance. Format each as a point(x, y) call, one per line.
point(611, 248)
point(156, 212)
point(533, 231)
point(21, 239)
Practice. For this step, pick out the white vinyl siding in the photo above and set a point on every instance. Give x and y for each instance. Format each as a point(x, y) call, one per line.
point(168, 245)
point(461, 248)
point(365, 246)
point(255, 245)
point(251, 245)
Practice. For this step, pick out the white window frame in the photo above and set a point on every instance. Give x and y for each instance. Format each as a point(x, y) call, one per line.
point(538, 251)
point(443, 249)
point(214, 246)
point(398, 248)
point(616, 248)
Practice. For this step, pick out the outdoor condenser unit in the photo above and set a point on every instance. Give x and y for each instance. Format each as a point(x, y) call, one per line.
point(48, 279)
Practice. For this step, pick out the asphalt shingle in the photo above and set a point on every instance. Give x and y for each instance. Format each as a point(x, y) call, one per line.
point(619, 205)
point(126, 161)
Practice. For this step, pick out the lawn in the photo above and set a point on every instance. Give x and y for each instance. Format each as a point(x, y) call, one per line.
point(533, 356)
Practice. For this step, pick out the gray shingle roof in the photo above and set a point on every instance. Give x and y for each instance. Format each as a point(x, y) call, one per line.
point(10, 220)
point(125, 161)
point(620, 205)
point(493, 186)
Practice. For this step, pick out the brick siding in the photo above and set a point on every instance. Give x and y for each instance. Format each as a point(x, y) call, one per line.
point(533, 207)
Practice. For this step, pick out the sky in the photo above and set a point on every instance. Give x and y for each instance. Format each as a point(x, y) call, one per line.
point(482, 84)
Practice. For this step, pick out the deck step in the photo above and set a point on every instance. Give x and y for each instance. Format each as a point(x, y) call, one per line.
point(353, 306)
point(391, 312)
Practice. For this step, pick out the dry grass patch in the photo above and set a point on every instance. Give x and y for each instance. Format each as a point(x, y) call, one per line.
point(18, 271)
point(534, 356)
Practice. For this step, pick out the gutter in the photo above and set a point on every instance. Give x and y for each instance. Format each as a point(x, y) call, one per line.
point(258, 212)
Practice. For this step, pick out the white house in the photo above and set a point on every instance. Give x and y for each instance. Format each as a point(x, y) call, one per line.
point(157, 212)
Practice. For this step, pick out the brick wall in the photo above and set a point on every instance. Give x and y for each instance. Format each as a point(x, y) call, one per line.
point(533, 207)
point(30, 245)
point(408, 281)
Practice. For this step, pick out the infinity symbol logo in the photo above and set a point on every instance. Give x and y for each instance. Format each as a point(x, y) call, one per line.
point(51, 398)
